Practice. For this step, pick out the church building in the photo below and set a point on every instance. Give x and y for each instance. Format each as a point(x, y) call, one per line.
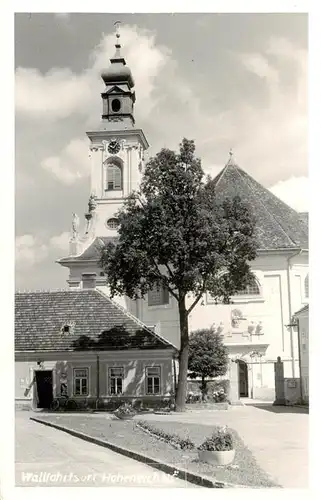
point(256, 325)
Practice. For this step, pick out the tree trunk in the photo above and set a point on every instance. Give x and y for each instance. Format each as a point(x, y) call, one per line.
point(204, 389)
point(183, 357)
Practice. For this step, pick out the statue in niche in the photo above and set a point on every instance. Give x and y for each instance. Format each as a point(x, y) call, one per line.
point(75, 226)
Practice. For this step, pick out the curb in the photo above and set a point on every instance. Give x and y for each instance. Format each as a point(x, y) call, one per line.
point(179, 473)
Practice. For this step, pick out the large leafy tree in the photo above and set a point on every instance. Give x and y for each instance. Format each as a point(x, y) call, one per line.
point(208, 356)
point(173, 233)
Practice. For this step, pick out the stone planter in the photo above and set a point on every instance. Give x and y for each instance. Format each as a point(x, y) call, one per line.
point(124, 417)
point(216, 457)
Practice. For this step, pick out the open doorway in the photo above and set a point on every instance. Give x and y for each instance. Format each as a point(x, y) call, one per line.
point(243, 379)
point(44, 388)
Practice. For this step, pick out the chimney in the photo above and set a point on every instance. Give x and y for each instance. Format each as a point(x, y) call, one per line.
point(88, 280)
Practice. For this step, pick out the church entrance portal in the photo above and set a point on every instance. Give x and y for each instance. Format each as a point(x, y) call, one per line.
point(243, 380)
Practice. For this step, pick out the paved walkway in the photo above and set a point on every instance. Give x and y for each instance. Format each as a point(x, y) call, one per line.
point(277, 436)
point(48, 457)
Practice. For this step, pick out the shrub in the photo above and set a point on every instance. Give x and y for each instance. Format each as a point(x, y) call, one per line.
point(219, 395)
point(174, 439)
point(125, 409)
point(220, 440)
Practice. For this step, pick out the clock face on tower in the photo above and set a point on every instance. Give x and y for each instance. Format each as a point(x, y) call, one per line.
point(113, 147)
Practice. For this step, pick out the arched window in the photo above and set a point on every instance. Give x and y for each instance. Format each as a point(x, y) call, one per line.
point(306, 286)
point(252, 289)
point(114, 175)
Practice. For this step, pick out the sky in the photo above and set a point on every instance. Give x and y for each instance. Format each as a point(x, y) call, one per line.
point(225, 80)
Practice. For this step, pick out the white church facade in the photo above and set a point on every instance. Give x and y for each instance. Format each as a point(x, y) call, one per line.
point(254, 326)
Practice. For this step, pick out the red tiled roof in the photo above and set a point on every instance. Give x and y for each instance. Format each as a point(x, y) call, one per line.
point(96, 323)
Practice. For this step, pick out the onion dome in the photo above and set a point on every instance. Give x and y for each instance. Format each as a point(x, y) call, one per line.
point(118, 72)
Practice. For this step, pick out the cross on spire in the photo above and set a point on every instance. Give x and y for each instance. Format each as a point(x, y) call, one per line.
point(117, 24)
point(231, 160)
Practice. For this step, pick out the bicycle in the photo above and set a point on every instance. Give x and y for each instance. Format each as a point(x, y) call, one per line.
point(64, 403)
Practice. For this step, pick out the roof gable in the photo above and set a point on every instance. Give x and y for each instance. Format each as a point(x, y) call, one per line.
point(97, 323)
point(278, 225)
point(92, 252)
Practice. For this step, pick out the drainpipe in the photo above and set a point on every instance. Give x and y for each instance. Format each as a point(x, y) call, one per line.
point(300, 359)
point(290, 309)
point(97, 382)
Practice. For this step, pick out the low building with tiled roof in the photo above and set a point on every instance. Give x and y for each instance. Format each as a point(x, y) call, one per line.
point(82, 343)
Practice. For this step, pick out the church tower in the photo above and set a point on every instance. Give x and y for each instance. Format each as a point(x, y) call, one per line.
point(117, 158)
point(117, 147)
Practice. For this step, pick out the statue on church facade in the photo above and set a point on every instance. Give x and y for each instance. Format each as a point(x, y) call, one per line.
point(75, 226)
point(92, 203)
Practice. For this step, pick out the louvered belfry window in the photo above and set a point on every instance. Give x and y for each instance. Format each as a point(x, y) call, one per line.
point(114, 177)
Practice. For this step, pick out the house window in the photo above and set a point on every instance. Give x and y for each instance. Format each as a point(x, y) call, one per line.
point(252, 289)
point(306, 286)
point(114, 177)
point(116, 377)
point(81, 381)
point(153, 379)
point(159, 296)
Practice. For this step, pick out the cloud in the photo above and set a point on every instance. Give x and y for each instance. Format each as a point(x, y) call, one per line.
point(72, 163)
point(76, 93)
point(295, 192)
point(52, 96)
point(269, 135)
point(29, 251)
point(61, 241)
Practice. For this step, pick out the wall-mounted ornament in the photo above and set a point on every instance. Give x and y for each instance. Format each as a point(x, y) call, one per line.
point(259, 328)
point(236, 318)
point(251, 327)
point(92, 203)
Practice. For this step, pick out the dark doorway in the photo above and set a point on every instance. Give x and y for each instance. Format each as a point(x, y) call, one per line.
point(44, 388)
point(243, 380)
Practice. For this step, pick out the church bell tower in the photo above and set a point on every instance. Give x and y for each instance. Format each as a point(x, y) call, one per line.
point(116, 147)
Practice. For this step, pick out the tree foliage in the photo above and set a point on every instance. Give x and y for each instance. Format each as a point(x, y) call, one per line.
point(174, 234)
point(208, 356)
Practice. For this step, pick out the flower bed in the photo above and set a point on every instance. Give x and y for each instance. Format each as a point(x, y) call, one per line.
point(172, 439)
point(125, 433)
